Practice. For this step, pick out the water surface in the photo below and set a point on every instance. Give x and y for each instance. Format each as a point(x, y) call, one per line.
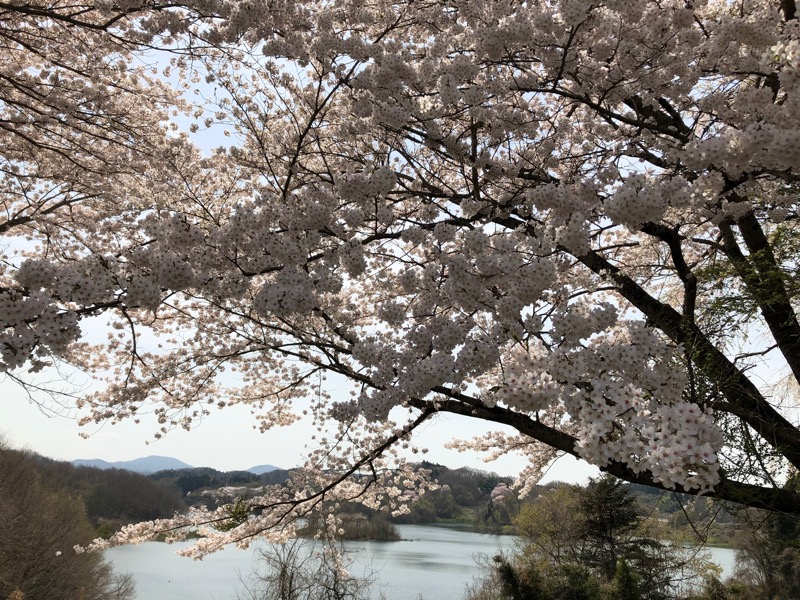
point(434, 563)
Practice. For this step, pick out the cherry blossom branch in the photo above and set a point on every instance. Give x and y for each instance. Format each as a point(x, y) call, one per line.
point(778, 499)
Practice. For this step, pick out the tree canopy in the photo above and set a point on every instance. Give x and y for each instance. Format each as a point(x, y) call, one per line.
point(577, 220)
point(593, 542)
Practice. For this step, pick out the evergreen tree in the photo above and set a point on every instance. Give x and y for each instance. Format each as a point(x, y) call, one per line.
point(610, 521)
point(592, 538)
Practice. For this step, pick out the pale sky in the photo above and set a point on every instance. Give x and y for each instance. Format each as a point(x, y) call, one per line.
point(226, 440)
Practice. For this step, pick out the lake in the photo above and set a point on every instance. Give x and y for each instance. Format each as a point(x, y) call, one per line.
point(432, 562)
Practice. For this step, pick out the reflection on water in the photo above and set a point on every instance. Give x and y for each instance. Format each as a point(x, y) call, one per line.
point(434, 562)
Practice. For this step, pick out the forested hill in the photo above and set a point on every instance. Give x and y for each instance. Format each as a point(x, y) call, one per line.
point(195, 481)
point(115, 496)
point(112, 496)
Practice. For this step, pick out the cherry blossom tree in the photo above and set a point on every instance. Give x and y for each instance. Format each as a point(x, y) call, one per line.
point(576, 220)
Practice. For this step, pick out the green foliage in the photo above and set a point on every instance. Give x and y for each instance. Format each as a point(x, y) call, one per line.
point(626, 582)
point(552, 524)
point(610, 518)
point(588, 544)
point(573, 582)
point(517, 584)
point(434, 506)
point(516, 578)
point(469, 487)
point(464, 496)
point(104, 531)
point(192, 481)
point(444, 504)
point(498, 515)
point(236, 513)
point(375, 527)
point(420, 511)
point(363, 524)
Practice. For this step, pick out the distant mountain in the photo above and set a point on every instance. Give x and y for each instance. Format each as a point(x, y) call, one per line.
point(260, 469)
point(146, 465)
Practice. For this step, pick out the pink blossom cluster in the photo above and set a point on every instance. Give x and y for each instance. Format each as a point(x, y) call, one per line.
point(565, 218)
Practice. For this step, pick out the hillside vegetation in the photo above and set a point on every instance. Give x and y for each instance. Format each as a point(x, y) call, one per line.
point(471, 497)
point(41, 520)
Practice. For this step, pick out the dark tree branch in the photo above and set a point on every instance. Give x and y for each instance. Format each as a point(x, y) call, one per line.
point(687, 277)
point(745, 399)
point(765, 281)
point(775, 499)
point(789, 9)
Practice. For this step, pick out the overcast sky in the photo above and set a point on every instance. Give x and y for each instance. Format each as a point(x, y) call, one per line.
point(226, 440)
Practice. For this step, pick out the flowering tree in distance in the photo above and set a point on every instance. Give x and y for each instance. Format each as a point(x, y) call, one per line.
point(577, 220)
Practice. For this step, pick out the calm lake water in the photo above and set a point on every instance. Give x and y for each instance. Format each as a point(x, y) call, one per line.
point(432, 562)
